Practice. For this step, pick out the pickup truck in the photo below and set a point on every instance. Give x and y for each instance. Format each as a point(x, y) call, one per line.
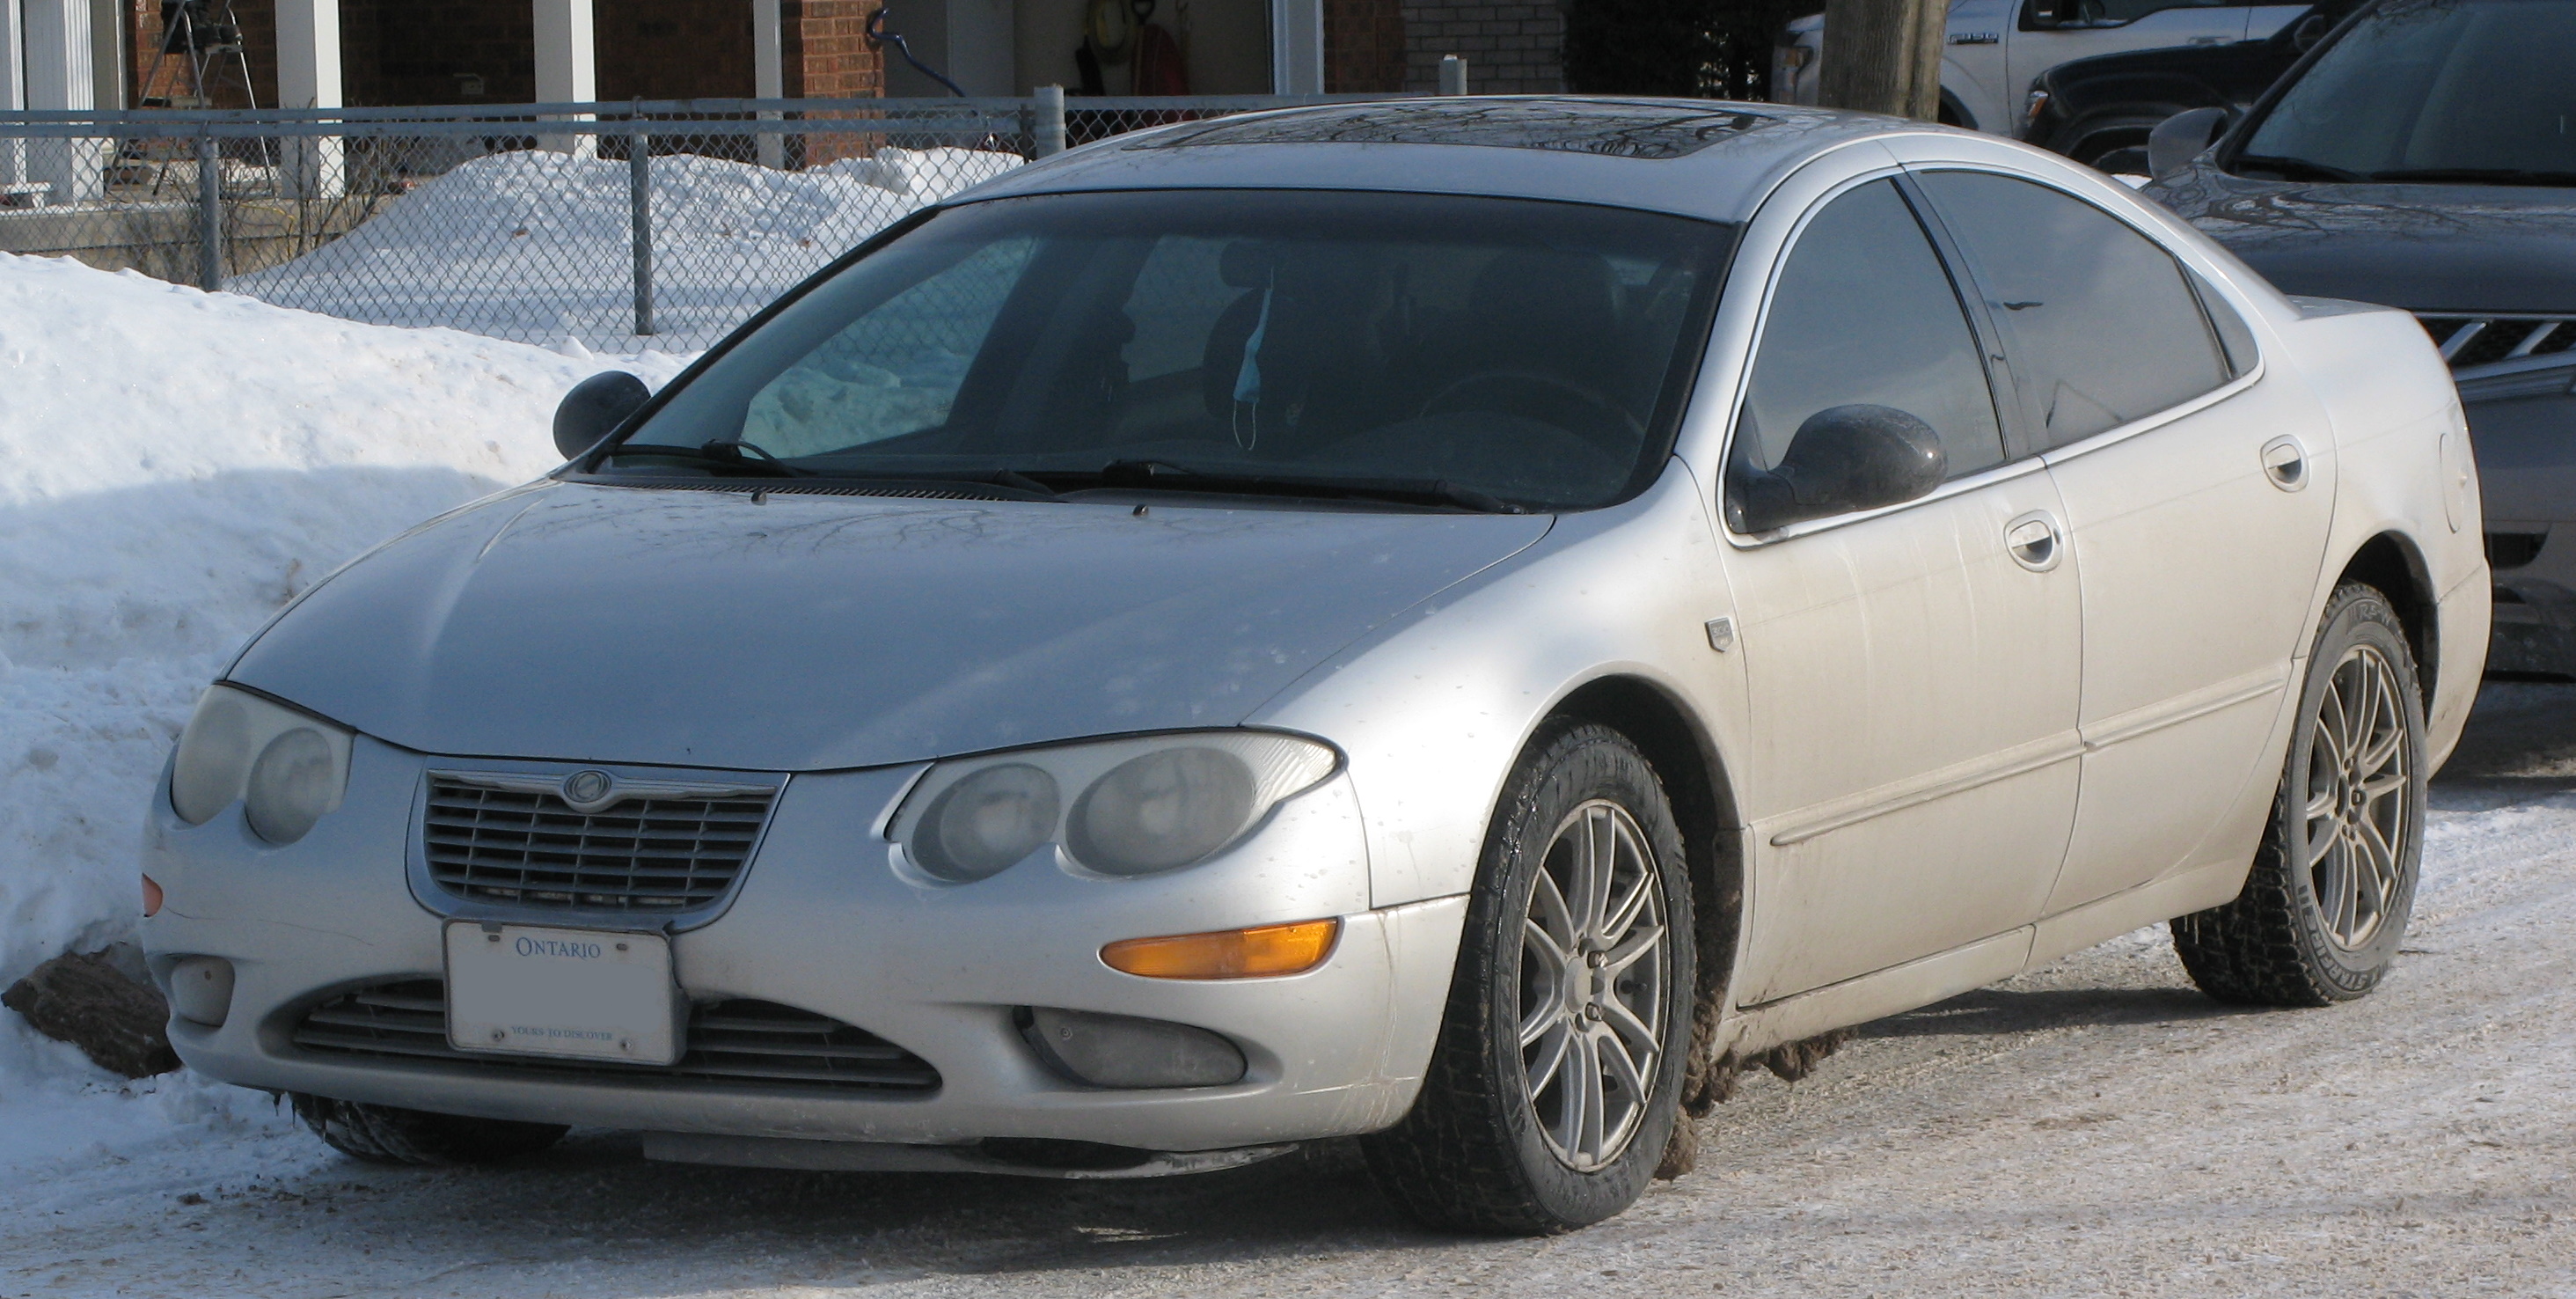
point(1996, 49)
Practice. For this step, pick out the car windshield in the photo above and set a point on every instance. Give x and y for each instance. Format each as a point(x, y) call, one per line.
point(2477, 91)
point(1443, 350)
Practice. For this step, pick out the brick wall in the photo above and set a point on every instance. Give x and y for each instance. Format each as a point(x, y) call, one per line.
point(1363, 46)
point(1510, 48)
point(825, 48)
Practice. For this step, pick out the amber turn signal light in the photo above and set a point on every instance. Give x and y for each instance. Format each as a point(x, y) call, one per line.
point(1259, 952)
point(151, 897)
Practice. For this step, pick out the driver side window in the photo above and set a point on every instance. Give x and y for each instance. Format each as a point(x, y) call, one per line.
point(1864, 315)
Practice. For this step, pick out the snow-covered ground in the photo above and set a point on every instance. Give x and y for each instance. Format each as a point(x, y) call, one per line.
point(173, 466)
point(537, 246)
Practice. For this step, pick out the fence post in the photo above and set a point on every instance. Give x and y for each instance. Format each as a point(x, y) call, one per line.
point(639, 199)
point(210, 211)
point(1050, 132)
point(1453, 75)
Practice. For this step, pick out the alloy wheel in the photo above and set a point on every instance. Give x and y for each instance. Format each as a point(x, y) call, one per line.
point(2357, 817)
point(1593, 993)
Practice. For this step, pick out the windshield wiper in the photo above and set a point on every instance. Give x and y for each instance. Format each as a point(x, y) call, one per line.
point(2478, 176)
point(727, 453)
point(1006, 484)
point(2294, 168)
point(1164, 476)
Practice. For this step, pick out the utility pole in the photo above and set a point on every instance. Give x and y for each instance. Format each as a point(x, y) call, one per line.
point(1884, 56)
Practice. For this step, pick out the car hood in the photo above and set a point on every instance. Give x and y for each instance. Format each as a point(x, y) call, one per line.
point(2440, 248)
point(698, 628)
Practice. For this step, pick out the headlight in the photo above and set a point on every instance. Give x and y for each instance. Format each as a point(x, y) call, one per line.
point(288, 769)
point(989, 820)
point(1145, 805)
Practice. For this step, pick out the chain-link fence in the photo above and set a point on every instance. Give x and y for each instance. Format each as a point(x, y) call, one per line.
point(625, 227)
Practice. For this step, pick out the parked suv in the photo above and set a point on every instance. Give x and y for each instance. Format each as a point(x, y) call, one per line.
point(2098, 111)
point(2421, 157)
point(1997, 48)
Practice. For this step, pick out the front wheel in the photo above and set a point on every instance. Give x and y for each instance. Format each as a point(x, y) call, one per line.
point(386, 1134)
point(1554, 1085)
point(2327, 902)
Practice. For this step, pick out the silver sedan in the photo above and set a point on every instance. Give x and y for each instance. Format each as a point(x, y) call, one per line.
point(1456, 623)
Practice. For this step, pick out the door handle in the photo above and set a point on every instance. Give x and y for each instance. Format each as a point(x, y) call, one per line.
point(2285, 462)
point(2034, 541)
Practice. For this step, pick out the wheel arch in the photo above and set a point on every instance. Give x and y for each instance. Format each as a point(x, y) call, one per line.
point(1703, 797)
point(2393, 563)
point(1954, 111)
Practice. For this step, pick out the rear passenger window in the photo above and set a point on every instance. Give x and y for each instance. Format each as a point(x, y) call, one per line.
point(1864, 313)
point(2102, 326)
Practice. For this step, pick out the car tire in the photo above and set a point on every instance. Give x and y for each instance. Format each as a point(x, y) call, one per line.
point(1482, 1150)
point(384, 1134)
point(2333, 883)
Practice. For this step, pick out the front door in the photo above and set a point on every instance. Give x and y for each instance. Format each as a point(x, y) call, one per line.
point(2198, 499)
point(1913, 671)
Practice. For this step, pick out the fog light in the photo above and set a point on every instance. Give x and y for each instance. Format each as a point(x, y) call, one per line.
point(201, 990)
point(1258, 952)
point(151, 898)
point(1122, 1051)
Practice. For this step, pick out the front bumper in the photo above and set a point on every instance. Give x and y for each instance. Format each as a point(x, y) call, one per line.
point(2526, 450)
point(823, 923)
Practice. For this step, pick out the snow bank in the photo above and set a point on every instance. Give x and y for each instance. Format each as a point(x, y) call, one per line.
point(537, 246)
point(174, 466)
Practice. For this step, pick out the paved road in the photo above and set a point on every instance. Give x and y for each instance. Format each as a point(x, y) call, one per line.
point(2095, 1127)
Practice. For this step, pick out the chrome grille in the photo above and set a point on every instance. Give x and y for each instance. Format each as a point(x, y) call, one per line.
point(2471, 341)
point(513, 839)
point(738, 1041)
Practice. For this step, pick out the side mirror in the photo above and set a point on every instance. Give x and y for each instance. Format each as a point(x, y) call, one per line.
point(594, 408)
point(1844, 459)
point(2180, 138)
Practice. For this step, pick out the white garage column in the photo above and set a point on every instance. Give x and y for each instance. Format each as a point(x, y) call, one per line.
point(1297, 47)
point(56, 59)
point(308, 76)
point(768, 74)
point(567, 67)
point(13, 96)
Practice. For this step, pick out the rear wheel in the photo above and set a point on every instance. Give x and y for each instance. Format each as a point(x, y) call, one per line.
point(1554, 1087)
point(384, 1134)
point(2327, 902)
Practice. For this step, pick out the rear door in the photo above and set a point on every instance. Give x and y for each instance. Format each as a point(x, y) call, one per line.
point(2197, 497)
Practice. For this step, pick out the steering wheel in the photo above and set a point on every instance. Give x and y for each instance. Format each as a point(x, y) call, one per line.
point(1548, 398)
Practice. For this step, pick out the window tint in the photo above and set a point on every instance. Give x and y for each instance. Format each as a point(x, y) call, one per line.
point(2106, 13)
point(2102, 326)
point(1864, 313)
point(1534, 352)
point(893, 371)
point(2461, 92)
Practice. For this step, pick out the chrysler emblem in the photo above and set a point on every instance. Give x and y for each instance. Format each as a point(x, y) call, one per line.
point(589, 791)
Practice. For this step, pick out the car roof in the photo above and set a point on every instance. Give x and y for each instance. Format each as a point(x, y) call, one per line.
point(1694, 157)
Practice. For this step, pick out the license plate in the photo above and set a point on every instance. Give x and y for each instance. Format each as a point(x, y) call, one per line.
point(580, 993)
